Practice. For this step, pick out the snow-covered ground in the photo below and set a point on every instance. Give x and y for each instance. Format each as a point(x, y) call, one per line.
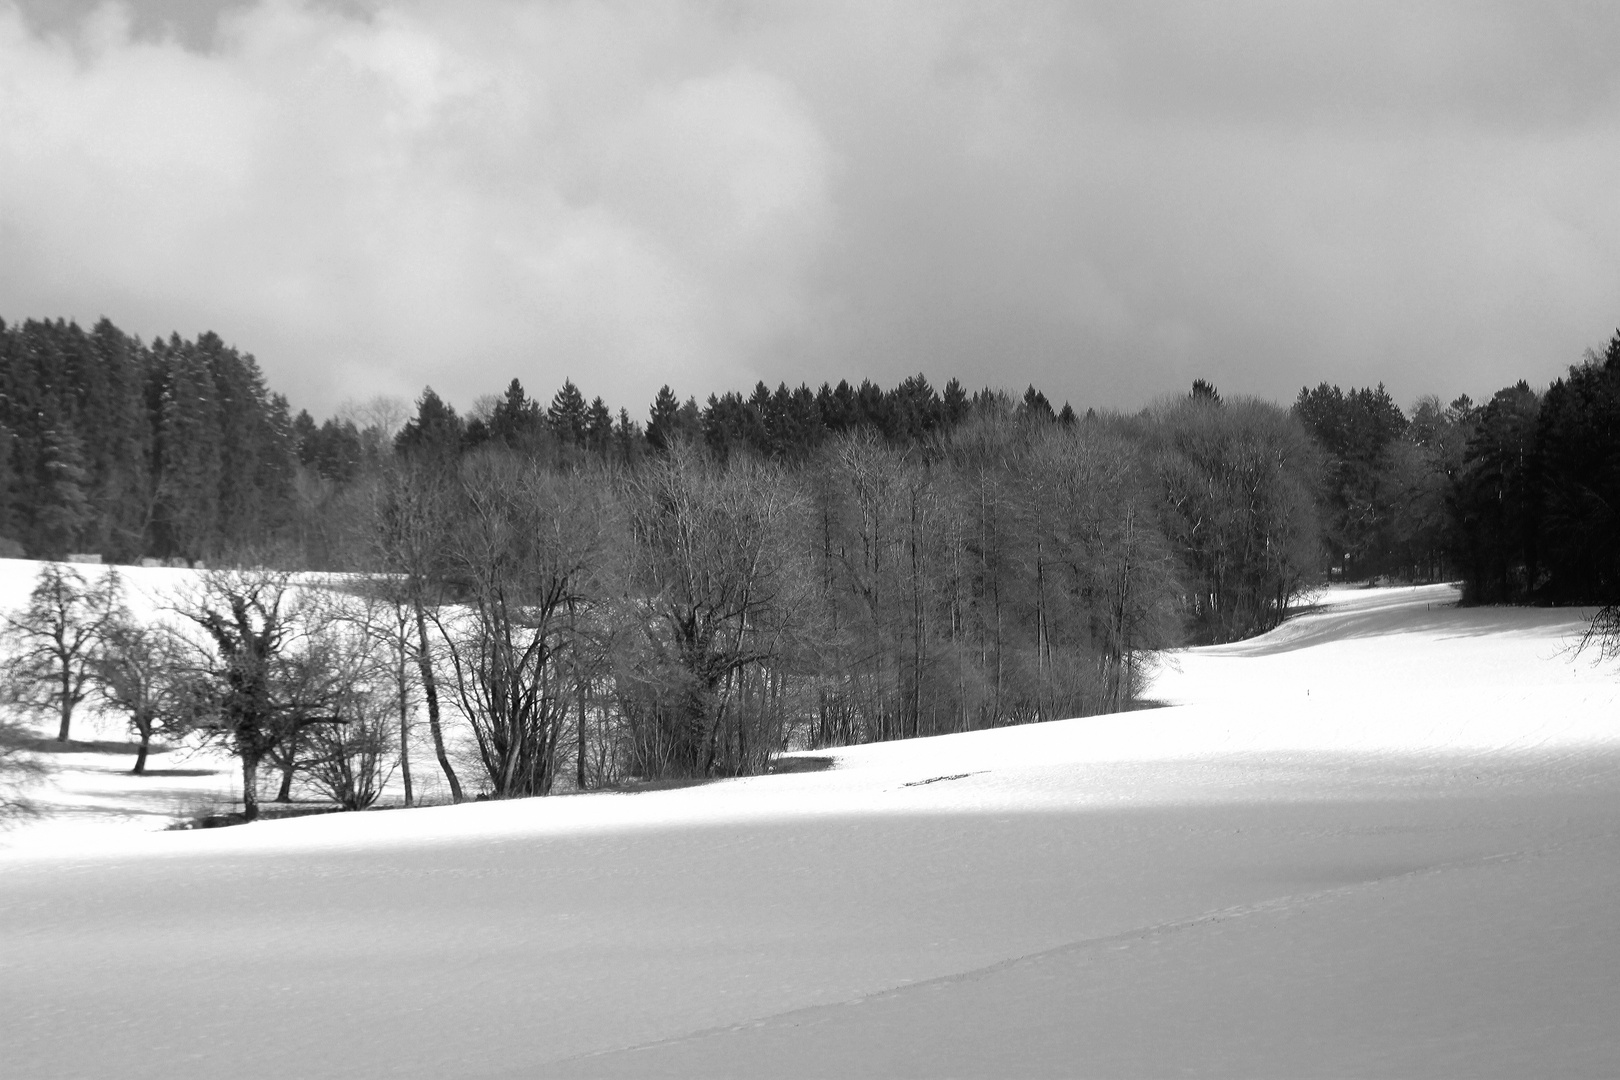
point(1382, 841)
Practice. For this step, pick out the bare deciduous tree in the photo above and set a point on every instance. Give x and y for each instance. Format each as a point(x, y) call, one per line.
point(1603, 633)
point(51, 644)
point(19, 768)
point(138, 673)
point(717, 581)
point(351, 760)
point(523, 563)
point(265, 673)
point(411, 530)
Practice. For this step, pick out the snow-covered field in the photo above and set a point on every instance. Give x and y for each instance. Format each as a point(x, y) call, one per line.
point(1382, 841)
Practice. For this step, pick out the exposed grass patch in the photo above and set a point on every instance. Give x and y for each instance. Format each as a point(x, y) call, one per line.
point(41, 744)
point(798, 764)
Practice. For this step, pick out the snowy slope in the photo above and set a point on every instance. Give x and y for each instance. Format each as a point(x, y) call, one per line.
point(1380, 841)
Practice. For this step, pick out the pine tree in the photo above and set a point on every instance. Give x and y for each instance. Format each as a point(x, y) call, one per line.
point(663, 420)
point(189, 452)
point(598, 427)
point(255, 445)
point(1035, 406)
point(567, 414)
point(628, 438)
point(1495, 499)
point(435, 433)
point(954, 403)
point(64, 510)
point(516, 420)
point(120, 453)
point(1578, 479)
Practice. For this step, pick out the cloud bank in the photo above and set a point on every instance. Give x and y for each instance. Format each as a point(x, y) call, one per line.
point(1107, 200)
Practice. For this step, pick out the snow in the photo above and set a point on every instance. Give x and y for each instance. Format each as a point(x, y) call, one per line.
point(1380, 841)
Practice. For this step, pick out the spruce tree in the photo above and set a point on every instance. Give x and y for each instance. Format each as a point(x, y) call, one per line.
point(64, 511)
point(567, 414)
point(663, 420)
point(516, 421)
point(189, 452)
point(598, 426)
point(435, 433)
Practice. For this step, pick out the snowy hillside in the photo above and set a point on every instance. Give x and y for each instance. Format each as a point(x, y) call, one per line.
point(1379, 841)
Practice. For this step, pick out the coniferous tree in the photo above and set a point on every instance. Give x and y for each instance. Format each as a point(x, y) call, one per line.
point(517, 420)
point(188, 451)
point(954, 403)
point(1495, 500)
point(567, 414)
point(598, 427)
point(914, 410)
point(1577, 476)
point(121, 450)
point(1035, 407)
point(1358, 433)
point(628, 438)
point(435, 433)
point(63, 512)
point(663, 420)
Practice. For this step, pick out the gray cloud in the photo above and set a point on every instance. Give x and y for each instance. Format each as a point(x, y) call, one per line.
point(1106, 200)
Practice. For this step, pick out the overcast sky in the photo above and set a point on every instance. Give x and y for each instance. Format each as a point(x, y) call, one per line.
point(1107, 200)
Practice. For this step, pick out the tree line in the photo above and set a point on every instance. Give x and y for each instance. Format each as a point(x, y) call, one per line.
point(564, 596)
point(1518, 497)
point(172, 449)
point(560, 617)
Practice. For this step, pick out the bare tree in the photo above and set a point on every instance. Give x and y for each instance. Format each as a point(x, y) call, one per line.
point(137, 672)
point(378, 419)
point(19, 768)
point(411, 528)
point(1235, 478)
point(717, 581)
point(523, 563)
point(265, 673)
point(51, 644)
point(1106, 594)
point(1603, 633)
point(352, 760)
point(390, 621)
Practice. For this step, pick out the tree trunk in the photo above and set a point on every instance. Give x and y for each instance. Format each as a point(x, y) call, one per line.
point(250, 786)
point(580, 762)
point(404, 722)
point(430, 691)
point(284, 793)
point(67, 716)
point(579, 689)
point(140, 754)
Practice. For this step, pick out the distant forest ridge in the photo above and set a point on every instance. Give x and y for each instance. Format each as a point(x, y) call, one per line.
point(178, 449)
